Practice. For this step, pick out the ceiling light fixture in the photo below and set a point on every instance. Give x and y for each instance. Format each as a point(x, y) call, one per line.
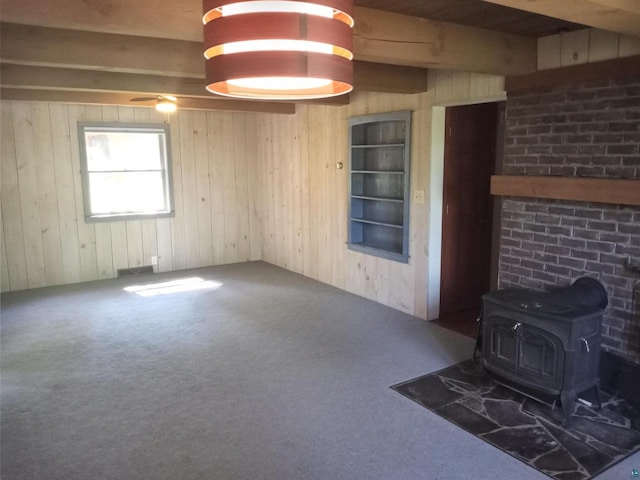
point(166, 104)
point(278, 49)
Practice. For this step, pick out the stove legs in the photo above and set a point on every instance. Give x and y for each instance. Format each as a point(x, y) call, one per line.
point(568, 400)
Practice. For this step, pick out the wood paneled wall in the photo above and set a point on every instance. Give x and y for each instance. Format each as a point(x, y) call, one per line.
point(304, 208)
point(45, 239)
point(247, 187)
point(584, 46)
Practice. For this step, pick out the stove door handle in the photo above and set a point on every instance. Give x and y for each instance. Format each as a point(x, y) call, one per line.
point(586, 343)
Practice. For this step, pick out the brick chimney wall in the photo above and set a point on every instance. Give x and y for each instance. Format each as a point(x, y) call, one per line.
point(583, 131)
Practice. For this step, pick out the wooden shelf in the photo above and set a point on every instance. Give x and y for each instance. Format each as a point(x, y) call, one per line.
point(379, 185)
point(382, 199)
point(376, 222)
point(598, 190)
point(379, 145)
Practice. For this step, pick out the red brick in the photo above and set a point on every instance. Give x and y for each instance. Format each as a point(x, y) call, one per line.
point(557, 250)
point(586, 234)
point(564, 171)
point(622, 149)
point(537, 170)
point(583, 138)
point(624, 126)
point(621, 172)
point(566, 149)
point(608, 138)
point(558, 270)
point(574, 222)
point(573, 242)
point(552, 159)
point(590, 171)
point(538, 149)
point(572, 262)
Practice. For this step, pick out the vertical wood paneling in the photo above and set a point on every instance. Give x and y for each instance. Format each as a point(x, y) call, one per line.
point(205, 242)
point(4, 271)
point(118, 230)
point(67, 215)
point(178, 251)
point(629, 45)
point(216, 185)
point(419, 233)
point(584, 46)
point(309, 197)
point(575, 48)
point(240, 155)
point(341, 184)
point(603, 45)
point(95, 245)
point(317, 145)
point(549, 52)
point(101, 231)
point(264, 156)
point(46, 238)
point(254, 185)
point(227, 161)
point(47, 198)
point(16, 264)
point(28, 189)
point(148, 228)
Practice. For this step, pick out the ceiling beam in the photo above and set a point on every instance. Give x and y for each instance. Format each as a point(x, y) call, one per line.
point(27, 76)
point(382, 77)
point(50, 78)
point(397, 39)
point(145, 25)
point(117, 98)
point(43, 46)
point(172, 19)
point(141, 64)
point(622, 16)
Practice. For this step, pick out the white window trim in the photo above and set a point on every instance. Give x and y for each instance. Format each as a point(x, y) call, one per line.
point(124, 128)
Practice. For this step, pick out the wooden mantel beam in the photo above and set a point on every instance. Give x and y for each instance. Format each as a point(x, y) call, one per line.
point(622, 16)
point(580, 189)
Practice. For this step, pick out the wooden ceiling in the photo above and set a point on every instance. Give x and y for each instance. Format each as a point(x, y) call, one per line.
point(105, 51)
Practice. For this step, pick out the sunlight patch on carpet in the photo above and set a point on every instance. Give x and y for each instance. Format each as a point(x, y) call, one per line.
point(173, 286)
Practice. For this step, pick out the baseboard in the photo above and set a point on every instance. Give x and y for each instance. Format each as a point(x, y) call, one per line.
point(128, 272)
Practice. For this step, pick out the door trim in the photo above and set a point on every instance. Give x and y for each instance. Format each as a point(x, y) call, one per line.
point(436, 172)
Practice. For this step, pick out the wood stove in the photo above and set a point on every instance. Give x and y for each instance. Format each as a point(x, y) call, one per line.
point(547, 343)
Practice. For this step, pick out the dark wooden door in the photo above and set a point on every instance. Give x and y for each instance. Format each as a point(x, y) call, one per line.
point(469, 162)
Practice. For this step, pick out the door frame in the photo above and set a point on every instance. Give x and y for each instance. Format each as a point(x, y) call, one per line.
point(436, 191)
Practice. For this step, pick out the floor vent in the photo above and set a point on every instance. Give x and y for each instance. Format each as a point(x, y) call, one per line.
point(128, 272)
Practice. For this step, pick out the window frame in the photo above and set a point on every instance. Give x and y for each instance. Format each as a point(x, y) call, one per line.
point(167, 176)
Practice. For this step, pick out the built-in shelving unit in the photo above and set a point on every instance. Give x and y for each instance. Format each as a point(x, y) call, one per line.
point(379, 184)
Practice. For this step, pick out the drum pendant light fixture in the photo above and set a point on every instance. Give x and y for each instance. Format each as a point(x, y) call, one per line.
point(278, 49)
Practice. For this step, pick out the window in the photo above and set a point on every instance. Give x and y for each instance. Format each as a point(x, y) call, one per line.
point(125, 170)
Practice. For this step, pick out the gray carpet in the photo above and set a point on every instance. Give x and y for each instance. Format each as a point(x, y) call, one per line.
point(268, 376)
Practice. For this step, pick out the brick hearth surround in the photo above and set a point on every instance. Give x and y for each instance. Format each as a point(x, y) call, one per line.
point(586, 130)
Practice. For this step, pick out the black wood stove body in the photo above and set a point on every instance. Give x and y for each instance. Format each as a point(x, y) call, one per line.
point(546, 343)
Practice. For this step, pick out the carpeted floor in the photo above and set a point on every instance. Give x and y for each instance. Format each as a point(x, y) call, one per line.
point(238, 372)
point(532, 432)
